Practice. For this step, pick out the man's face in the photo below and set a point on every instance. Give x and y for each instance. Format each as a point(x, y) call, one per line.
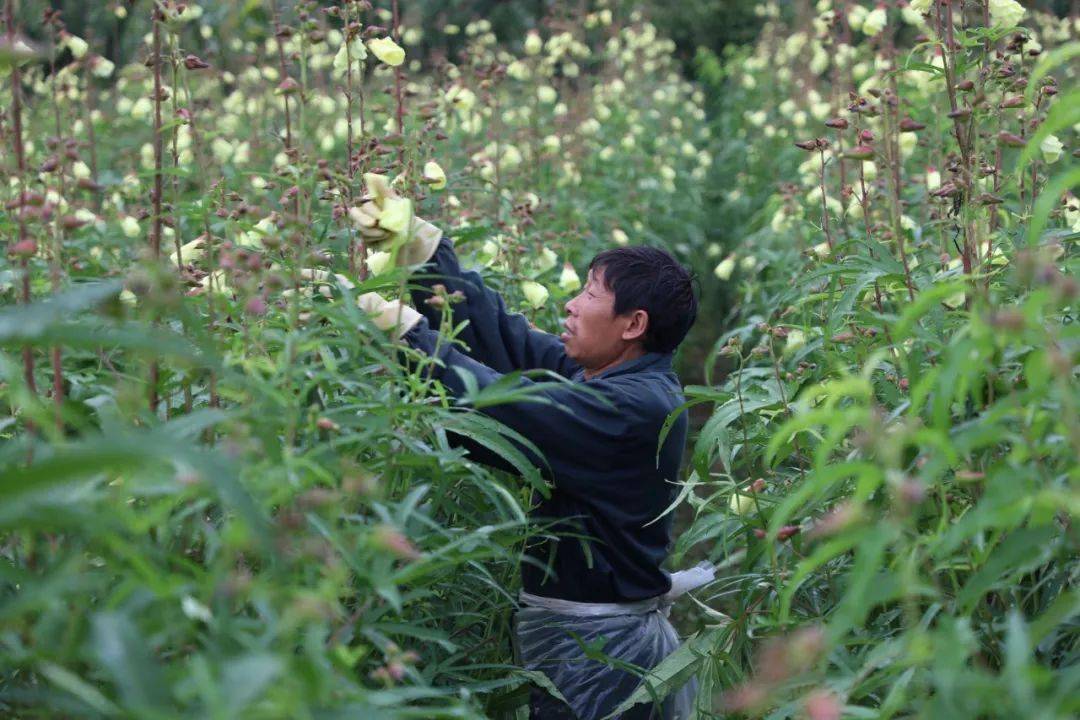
point(593, 334)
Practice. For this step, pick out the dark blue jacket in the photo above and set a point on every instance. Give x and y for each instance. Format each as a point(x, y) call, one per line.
point(600, 452)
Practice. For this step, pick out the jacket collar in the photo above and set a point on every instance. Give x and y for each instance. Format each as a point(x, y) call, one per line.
point(649, 362)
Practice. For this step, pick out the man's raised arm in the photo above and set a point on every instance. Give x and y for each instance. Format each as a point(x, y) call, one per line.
point(502, 340)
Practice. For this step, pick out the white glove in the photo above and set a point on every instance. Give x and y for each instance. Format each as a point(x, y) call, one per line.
point(389, 315)
point(386, 221)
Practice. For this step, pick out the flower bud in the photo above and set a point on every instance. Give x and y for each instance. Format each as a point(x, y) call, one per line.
point(787, 531)
point(287, 87)
point(385, 537)
point(823, 705)
point(1008, 139)
point(194, 62)
point(23, 249)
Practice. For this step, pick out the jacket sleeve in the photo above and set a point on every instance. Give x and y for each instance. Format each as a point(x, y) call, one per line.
point(571, 427)
point(501, 340)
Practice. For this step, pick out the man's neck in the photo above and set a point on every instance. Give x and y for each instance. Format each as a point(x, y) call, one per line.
point(631, 353)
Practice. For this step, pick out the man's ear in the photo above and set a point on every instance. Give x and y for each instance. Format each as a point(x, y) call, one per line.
point(639, 323)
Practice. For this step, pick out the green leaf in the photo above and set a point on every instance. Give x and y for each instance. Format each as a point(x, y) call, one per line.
point(501, 440)
point(1021, 551)
point(1048, 199)
point(128, 660)
point(674, 671)
point(1047, 62)
point(24, 323)
point(925, 301)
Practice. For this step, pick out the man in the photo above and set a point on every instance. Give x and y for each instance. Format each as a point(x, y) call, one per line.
point(600, 579)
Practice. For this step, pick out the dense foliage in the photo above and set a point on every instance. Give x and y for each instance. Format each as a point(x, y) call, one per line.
point(898, 439)
point(224, 496)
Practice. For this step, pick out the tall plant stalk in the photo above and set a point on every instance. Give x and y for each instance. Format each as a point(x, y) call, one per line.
point(24, 243)
point(56, 256)
point(155, 232)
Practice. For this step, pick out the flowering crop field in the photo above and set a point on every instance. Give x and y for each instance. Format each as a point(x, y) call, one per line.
point(224, 496)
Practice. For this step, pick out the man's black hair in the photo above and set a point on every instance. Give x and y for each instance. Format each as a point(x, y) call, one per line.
point(652, 280)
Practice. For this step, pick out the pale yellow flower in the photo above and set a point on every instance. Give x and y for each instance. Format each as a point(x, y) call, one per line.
point(130, 227)
point(875, 21)
point(1006, 13)
point(387, 51)
point(535, 293)
point(354, 51)
point(103, 68)
point(533, 43)
point(76, 45)
point(741, 504)
point(434, 175)
point(796, 339)
point(378, 262)
point(933, 180)
point(546, 260)
point(1051, 148)
point(725, 268)
point(568, 279)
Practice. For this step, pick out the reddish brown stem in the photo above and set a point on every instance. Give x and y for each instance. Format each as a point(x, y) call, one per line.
point(347, 8)
point(825, 205)
point(20, 163)
point(155, 234)
point(56, 256)
point(279, 36)
point(398, 96)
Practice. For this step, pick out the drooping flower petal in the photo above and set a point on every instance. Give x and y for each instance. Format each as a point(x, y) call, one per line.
point(387, 51)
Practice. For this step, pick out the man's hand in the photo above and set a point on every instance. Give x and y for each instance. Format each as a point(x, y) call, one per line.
point(386, 221)
point(389, 316)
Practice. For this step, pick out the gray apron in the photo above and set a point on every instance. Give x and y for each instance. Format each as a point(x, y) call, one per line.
point(636, 633)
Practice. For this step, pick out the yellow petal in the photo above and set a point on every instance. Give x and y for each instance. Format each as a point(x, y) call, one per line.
point(378, 262)
point(396, 214)
point(387, 50)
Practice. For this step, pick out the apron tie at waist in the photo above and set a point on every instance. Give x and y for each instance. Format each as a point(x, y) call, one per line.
point(682, 582)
